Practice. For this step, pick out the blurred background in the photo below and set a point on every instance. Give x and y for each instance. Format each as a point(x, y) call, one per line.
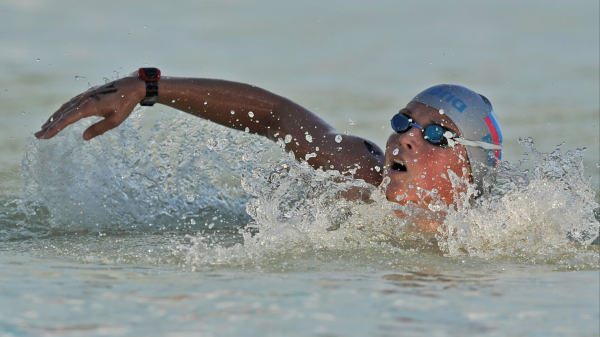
point(537, 61)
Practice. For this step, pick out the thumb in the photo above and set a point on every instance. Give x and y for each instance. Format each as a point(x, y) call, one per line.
point(101, 127)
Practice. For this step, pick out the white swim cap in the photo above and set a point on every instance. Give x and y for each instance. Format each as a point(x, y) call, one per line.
point(474, 117)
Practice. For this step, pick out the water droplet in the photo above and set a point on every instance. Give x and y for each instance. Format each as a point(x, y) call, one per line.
point(145, 27)
point(331, 166)
point(395, 152)
point(173, 101)
point(415, 160)
point(211, 225)
point(410, 186)
point(309, 155)
point(338, 139)
point(352, 121)
point(232, 112)
point(251, 114)
point(441, 111)
point(288, 138)
point(317, 148)
point(246, 129)
point(377, 168)
point(205, 103)
point(399, 197)
point(309, 138)
point(23, 113)
point(422, 176)
point(38, 59)
point(192, 221)
point(411, 134)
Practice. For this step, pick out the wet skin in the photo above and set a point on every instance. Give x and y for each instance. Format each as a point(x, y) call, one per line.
point(423, 165)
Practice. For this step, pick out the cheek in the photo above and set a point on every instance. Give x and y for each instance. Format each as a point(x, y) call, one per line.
point(434, 173)
point(460, 164)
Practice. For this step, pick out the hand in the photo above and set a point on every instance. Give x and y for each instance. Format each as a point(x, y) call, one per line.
point(114, 101)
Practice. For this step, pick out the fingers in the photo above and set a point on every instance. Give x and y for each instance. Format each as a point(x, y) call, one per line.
point(78, 100)
point(101, 127)
point(67, 118)
point(70, 104)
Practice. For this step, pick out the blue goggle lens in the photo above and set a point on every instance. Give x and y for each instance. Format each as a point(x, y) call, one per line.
point(400, 123)
point(434, 133)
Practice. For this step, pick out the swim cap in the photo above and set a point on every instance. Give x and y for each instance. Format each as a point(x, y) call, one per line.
point(474, 117)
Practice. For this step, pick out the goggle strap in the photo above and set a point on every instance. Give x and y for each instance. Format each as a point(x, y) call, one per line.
point(415, 125)
point(484, 145)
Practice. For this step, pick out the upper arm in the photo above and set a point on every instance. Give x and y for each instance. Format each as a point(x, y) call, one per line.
point(312, 139)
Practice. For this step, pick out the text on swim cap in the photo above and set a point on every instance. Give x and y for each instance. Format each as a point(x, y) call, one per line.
point(457, 103)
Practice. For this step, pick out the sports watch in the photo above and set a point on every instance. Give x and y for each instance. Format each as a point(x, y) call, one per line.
point(151, 77)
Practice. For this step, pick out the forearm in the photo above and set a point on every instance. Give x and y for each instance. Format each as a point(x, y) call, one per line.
point(238, 106)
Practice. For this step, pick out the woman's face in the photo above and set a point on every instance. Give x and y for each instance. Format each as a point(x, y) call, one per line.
point(416, 166)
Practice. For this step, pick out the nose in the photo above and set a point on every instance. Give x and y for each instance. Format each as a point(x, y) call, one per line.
point(410, 139)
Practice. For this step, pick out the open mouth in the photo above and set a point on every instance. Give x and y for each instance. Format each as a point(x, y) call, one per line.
point(399, 166)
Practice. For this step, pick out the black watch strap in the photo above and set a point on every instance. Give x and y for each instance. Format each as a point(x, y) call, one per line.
point(151, 94)
point(151, 77)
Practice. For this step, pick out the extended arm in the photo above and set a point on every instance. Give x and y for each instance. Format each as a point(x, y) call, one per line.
point(235, 105)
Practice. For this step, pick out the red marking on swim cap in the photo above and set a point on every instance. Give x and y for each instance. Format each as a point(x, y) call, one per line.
point(495, 137)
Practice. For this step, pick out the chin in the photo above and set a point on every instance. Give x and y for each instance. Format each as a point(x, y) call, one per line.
point(396, 190)
point(392, 194)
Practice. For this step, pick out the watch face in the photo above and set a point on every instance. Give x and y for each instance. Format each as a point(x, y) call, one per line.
point(149, 74)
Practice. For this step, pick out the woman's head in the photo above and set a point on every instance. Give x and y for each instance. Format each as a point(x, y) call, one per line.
point(450, 128)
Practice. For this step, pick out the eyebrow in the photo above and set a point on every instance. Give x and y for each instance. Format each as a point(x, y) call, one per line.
point(405, 111)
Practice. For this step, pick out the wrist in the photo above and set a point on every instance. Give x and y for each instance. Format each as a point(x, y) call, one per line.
point(151, 77)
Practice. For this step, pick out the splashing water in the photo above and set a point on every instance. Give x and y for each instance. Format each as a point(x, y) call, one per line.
point(549, 215)
point(234, 198)
point(113, 182)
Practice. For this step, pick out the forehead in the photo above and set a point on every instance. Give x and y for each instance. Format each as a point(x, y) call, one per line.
point(424, 114)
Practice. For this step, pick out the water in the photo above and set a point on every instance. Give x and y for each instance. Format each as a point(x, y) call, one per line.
point(169, 224)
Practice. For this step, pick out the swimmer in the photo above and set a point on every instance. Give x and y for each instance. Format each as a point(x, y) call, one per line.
point(444, 128)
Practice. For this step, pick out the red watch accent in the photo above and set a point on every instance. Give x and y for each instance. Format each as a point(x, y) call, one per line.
point(149, 74)
point(151, 77)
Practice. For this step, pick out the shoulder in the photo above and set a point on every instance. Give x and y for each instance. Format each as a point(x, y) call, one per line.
point(355, 155)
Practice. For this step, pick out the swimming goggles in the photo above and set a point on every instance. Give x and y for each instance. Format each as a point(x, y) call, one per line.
point(437, 134)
